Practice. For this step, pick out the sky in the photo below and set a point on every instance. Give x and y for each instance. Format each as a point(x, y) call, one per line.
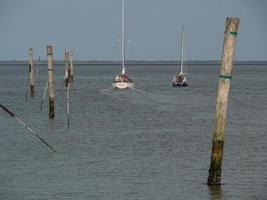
point(92, 28)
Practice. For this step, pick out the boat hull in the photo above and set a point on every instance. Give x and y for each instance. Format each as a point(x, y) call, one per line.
point(179, 81)
point(123, 85)
point(179, 84)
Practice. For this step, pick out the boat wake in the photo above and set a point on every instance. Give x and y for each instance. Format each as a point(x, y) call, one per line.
point(111, 92)
point(140, 97)
point(106, 90)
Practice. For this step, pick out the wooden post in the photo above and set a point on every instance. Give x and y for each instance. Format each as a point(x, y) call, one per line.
point(71, 66)
point(222, 100)
point(68, 104)
point(50, 82)
point(66, 76)
point(31, 75)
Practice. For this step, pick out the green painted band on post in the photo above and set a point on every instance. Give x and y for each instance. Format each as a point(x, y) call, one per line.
point(225, 77)
point(233, 33)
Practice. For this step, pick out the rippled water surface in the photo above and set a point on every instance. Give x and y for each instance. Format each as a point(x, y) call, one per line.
point(152, 142)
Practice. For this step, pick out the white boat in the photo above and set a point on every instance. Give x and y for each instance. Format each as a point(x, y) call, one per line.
point(180, 79)
point(123, 81)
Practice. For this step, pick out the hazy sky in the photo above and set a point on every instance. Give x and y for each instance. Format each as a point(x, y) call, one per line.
point(92, 28)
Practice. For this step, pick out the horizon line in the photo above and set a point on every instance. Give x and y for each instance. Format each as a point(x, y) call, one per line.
point(132, 62)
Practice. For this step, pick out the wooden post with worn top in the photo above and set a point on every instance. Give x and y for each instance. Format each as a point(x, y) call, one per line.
point(66, 76)
point(31, 75)
point(230, 35)
point(71, 66)
point(50, 82)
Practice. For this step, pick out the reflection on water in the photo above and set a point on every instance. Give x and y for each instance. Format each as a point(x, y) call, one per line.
point(216, 193)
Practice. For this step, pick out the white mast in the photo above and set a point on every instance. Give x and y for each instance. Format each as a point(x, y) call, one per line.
point(182, 50)
point(123, 37)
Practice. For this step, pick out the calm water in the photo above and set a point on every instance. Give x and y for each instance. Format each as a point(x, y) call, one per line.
point(153, 142)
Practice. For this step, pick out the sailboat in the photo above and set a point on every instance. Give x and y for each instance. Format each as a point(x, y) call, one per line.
point(123, 81)
point(180, 79)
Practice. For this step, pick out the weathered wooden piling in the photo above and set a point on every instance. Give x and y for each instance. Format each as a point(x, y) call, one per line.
point(50, 82)
point(230, 34)
point(68, 104)
point(66, 76)
point(71, 66)
point(31, 75)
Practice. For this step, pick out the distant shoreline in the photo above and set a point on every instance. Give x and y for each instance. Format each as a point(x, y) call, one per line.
point(134, 62)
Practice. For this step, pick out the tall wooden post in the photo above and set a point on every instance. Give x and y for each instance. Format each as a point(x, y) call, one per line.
point(66, 76)
point(222, 100)
point(31, 75)
point(71, 66)
point(50, 82)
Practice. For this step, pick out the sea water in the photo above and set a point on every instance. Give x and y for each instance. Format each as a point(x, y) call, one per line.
point(151, 142)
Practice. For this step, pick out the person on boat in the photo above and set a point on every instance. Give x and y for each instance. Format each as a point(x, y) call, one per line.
point(118, 78)
point(125, 78)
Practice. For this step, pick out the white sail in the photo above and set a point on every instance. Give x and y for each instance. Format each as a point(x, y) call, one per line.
point(180, 79)
point(182, 51)
point(123, 70)
point(123, 81)
point(123, 37)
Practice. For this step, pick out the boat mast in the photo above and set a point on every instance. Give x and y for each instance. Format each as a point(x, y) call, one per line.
point(123, 37)
point(182, 50)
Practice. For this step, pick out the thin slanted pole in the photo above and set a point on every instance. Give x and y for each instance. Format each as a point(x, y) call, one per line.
point(26, 93)
point(230, 34)
point(50, 82)
point(26, 126)
point(38, 65)
point(69, 73)
point(46, 85)
point(31, 75)
point(70, 78)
